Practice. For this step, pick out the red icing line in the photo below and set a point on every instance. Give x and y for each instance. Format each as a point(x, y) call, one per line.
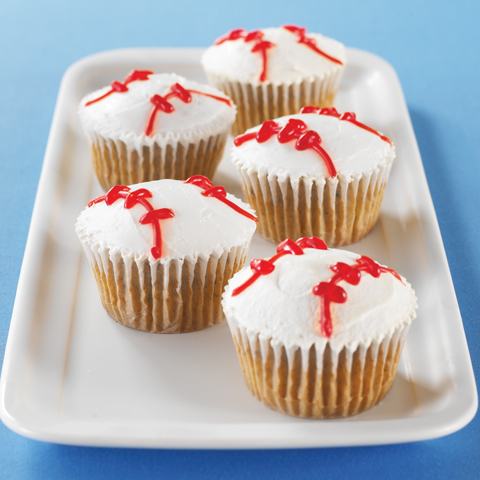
point(329, 292)
point(260, 46)
point(264, 267)
point(347, 116)
point(162, 104)
point(294, 130)
point(217, 192)
point(133, 76)
point(152, 216)
point(220, 99)
point(300, 33)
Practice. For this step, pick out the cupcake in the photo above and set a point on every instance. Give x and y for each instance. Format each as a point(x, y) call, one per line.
point(274, 72)
point(163, 251)
point(319, 332)
point(317, 173)
point(155, 126)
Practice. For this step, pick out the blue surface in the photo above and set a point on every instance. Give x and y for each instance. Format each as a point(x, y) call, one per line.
point(434, 47)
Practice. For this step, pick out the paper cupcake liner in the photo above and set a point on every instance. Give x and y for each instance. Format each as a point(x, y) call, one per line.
point(172, 296)
point(319, 381)
point(338, 211)
point(257, 103)
point(117, 164)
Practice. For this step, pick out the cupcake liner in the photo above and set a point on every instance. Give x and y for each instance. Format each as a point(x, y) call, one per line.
point(168, 296)
point(117, 164)
point(339, 211)
point(257, 103)
point(318, 381)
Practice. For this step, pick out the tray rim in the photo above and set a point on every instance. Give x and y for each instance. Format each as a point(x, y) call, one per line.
point(450, 420)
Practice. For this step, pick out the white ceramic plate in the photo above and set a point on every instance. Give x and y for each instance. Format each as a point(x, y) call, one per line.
point(72, 375)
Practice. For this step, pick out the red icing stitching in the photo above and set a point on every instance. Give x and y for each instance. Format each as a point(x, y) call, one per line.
point(133, 76)
point(218, 192)
point(162, 104)
point(294, 130)
point(301, 34)
point(139, 197)
point(329, 292)
point(347, 116)
point(264, 267)
point(260, 46)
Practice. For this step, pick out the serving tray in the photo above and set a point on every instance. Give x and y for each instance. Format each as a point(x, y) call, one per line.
point(72, 375)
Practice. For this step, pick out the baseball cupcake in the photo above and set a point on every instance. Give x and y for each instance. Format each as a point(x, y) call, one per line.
point(151, 127)
point(162, 252)
point(318, 332)
point(318, 173)
point(274, 71)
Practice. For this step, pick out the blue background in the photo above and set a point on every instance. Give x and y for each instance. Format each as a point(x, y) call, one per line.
point(434, 47)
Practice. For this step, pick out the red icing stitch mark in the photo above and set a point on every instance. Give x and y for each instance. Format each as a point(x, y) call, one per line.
point(118, 87)
point(312, 139)
point(162, 103)
point(300, 33)
point(291, 131)
point(217, 192)
point(347, 116)
point(264, 267)
point(309, 109)
point(261, 46)
point(152, 216)
point(267, 130)
point(289, 246)
point(311, 242)
point(116, 192)
point(232, 35)
point(200, 181)
point(330, 292)
point(133, 76)
point(137, 197)
point(294, 130)
point(346, 272)
point(183, 94)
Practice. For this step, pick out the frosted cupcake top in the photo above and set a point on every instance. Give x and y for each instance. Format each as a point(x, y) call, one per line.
point(166, 219)
point(278, 55)
point(307, 294)
point(147, 108)
point(317, 143)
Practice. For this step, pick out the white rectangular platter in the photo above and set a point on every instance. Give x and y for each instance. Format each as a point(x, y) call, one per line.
point(72, 375)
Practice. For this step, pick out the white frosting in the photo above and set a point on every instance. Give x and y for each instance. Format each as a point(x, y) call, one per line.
point(281, 305)
point(124, 116)
point(354, 151)
point(288, 62)
point(201, 225)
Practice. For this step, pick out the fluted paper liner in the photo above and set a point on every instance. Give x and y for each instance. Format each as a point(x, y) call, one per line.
point(339, 211)
point(172, 296)
point(318, 381)
point(117, 164)
point(268, 100)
